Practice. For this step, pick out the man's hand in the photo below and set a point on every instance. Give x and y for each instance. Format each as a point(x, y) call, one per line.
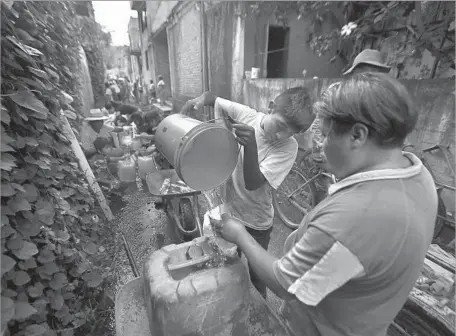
point(229, 228)
point(206, 99)
point(245, 134)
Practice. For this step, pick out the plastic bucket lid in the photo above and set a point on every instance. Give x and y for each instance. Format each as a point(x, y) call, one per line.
point(207, 157)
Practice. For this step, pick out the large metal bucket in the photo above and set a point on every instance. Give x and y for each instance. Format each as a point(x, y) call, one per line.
point(203, 154)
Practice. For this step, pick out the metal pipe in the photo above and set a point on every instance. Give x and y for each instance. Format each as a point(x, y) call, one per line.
point(205, 66)
point(131, 259)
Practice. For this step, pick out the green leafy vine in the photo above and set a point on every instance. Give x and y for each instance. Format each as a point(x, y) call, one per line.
point(51, 229)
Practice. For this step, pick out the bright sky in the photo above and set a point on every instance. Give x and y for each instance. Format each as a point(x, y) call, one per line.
point(114, 17)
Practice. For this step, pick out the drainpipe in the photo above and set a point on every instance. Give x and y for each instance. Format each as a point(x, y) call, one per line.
point(205, 66)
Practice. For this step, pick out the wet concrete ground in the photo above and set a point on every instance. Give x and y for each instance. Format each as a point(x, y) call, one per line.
point(147, 230)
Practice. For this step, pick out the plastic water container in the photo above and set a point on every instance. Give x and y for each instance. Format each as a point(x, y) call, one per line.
point(203, 154)
point(194, 300)
point(126, 170)
point(146, 165)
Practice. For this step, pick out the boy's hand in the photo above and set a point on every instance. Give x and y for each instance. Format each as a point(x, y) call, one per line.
point(245, 134)
point(206, 99)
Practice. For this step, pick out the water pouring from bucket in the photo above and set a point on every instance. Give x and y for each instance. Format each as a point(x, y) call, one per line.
point(204, 156)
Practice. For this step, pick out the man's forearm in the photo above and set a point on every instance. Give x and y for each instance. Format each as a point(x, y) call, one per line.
point(253, 177)
point(262, 263)
point(209, 99)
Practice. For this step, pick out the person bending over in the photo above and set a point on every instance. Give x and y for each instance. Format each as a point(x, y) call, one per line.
point(269, 151)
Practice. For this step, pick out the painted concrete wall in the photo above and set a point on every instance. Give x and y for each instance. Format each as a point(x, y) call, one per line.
point(185, 53)
point(434, 99)
point(220, 21)
point(300, 56)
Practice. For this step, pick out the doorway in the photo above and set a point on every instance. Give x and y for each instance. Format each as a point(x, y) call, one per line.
point(277, 59)
point(161, 60)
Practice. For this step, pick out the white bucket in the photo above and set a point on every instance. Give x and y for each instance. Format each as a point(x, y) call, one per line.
point(255, 73)
point(203, 154)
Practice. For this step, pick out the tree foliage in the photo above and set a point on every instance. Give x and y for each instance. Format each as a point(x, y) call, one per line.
point(420, 26)
point(50, 225)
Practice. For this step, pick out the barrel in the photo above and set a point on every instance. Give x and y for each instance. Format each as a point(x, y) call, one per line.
point(203, 154)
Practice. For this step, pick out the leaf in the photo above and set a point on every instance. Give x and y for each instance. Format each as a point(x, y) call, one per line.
point(46, 256)
point(379, 17)
point(23, 310)
point(20, 142)
point(7, 264)
point(5, 117)
point(49, 268)
point(28, 228)
point(70, 115)
point(63, 236)
point(18, 187)
point(93, 279)
point(7, 231)
point(23, 35)
point(8, 292)
point(19, 203)
point(28, 264)
point(28, 100)
point(35, 330)
point(451, 27)
point(6, 148)
point(37, 72)
point(35, 290)
point(59, 280)
point(7, 190)
point(27, 251)
point(15, 243)
point(90, 248)
point(21, 278)
point(19, 175)
point(7, 162)
point(57, 301)
point(5, 220)
point(31, 192)
point(52, 73)
point(8, 309)
point(31, 142)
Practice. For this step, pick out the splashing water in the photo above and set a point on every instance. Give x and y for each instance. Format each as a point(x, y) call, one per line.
point(215, 200)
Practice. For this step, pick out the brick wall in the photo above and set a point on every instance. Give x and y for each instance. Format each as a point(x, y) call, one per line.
point(186, 39)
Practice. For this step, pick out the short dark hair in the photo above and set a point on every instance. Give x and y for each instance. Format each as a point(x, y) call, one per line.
point(297, 108)
point(376, 100)
point(108, 105)
point(151, 81)
point(137, 118)
point(151, 116)
point(160, 77)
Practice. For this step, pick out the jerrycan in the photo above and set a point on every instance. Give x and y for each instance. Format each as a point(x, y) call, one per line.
point(146, 165)
point(126, 170)
point(203, 154)
point(187, 294)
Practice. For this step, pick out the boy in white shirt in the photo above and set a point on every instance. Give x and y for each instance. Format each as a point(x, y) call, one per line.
point(269, 151)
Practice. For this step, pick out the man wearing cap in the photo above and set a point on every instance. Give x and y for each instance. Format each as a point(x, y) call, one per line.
point(368, 60)
point(96, 133)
